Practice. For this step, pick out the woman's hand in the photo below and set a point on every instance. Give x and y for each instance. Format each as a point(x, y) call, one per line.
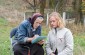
point(41, 42)
point(30, 39)
point(52, 54)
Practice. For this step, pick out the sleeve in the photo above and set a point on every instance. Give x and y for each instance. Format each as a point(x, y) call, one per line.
point(69, 44)
point(13, 32)
point(48, 45)
point(22, 33)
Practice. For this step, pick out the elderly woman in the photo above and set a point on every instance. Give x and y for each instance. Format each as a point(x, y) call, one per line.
point(27, 31)
point(60, 39)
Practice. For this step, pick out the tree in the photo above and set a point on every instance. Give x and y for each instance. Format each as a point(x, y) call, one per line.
point(33, 4)
point(42, 6)
point(59, 5)
point(80, 10)
point(77, 4)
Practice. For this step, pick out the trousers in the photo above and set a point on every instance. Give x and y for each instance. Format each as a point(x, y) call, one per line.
point(35, 49)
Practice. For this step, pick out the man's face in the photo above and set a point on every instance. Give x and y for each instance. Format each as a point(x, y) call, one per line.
point(37, 22)
point(53, 22)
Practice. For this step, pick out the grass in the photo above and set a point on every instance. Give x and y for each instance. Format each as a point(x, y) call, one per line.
point(79, 45)
point(4, 41)
point(5, 27)
point(3, 22)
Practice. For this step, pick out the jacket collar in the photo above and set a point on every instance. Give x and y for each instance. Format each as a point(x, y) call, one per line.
point(55, 30)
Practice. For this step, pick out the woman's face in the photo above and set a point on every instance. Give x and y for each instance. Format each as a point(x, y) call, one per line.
point(53, 22)
point(37, 23)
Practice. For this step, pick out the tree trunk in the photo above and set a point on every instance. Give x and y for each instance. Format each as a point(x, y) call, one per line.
point(42, 6)
point(34, 5)
point(78, 11)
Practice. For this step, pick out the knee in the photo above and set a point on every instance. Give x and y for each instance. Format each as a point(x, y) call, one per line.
point(16, 49)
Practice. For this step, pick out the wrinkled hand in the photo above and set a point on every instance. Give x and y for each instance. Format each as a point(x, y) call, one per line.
point(30, 39)
point(41, 42)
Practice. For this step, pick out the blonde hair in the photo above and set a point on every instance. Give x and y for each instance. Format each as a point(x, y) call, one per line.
point(59, 18)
